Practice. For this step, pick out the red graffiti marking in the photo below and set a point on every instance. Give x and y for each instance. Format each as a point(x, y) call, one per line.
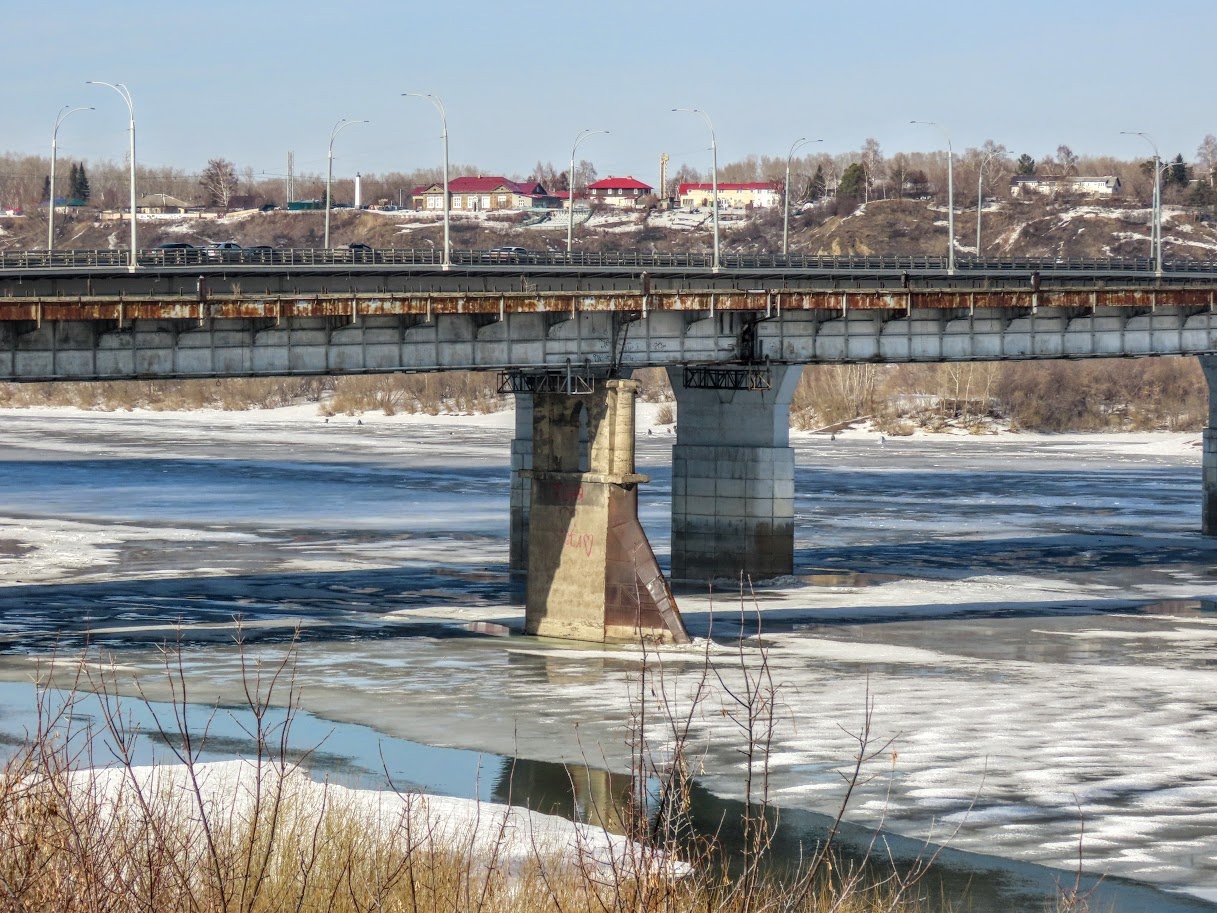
point(584, 542)
point(567, 491)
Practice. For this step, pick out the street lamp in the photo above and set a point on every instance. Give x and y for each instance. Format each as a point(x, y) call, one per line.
point(980, 192)
point(1155, 231)
point(798, 144)
point(125, 93)
point(329, 171)
point(446, 260)
point(950, 192)
point(64, 113)
point(570, 200)
point(713, 171)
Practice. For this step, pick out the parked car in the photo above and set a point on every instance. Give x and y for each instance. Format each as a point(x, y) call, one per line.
point(509, 255)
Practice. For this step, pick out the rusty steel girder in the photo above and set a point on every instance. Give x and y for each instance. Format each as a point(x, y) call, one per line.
point(121, 310)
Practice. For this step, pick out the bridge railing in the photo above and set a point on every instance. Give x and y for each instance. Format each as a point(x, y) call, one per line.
point(610, 260)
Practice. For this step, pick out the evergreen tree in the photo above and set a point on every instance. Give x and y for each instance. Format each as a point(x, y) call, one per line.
point(1025, 165)
point(1202, 194)
point(1177, 173)
point(82, 191)
point(853, 181)
point(46, 190)
point(73, 180)
point(818, 186)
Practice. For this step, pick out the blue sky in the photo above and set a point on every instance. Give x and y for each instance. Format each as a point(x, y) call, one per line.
point(250, 81)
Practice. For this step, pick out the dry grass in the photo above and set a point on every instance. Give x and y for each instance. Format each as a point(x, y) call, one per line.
point(231, 394)
point(456, 391)
point(197, 837)
point(1145, 394)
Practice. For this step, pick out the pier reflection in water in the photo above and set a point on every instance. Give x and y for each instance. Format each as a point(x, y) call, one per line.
point(952, 880)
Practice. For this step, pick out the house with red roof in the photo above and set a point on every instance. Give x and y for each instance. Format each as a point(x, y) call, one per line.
point(624, 193)
point(483, 194)
point(731, 196)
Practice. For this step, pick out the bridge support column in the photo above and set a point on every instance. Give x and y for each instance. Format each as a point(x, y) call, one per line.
point(733, 480)
point(521, 484)
point(1208, 512)
point(591, 572)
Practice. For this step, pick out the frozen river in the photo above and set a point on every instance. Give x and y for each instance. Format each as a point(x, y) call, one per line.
point(1032, 617)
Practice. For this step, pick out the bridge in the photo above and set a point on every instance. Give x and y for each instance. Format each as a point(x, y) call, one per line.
point(566, 332)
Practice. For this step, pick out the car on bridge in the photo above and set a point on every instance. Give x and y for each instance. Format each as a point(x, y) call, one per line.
point(510, 255)
point(223, 250)
point(363, 253)
point(173, 253)
point(258, 253)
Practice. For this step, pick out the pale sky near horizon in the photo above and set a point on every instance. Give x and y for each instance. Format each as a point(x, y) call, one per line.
point(250, 81)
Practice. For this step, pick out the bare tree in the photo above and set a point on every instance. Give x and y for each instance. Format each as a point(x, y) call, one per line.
point(219, 182)
point(1066, 160)
point(1206, 156)
point(585, 173)
point(898, 171)
point(872, 161)
point(686, 175)
point(545, 174)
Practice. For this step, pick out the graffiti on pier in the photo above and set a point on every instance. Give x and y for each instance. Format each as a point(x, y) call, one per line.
point(583, 542)
point(566, 491)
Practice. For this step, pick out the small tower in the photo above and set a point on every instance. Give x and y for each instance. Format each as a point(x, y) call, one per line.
point(663, 175)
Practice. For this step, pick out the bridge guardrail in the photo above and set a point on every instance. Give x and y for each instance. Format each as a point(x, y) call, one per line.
point(614, 260)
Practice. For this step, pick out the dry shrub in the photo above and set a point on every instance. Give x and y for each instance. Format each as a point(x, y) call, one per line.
point(233, 394)
point(827, 394)
point(452, 391)
point(1104, 394)
point(666, 414)
point(653, 385)
point(252, 837)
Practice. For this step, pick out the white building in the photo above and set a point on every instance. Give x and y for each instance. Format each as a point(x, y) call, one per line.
point(1047, 185)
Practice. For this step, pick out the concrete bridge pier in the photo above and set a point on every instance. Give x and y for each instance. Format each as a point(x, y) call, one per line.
point(1208, 513)
point(733, 480)
point(521, 483)
point(591, 572)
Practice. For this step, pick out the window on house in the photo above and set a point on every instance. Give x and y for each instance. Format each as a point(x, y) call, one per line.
point(456, 201)
point(502, 199)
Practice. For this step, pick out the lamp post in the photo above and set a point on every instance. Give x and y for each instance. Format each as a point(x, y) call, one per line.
point(713, 172)
point(570, 200)
point(980, 193)
point(1155, 231)
point(950, 192)
point(64, 113)
point(446, 259)
point(798, 144)
point(125, 93)
point(329, 171)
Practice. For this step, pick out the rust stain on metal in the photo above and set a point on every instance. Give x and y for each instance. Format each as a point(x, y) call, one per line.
point(254, 306)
